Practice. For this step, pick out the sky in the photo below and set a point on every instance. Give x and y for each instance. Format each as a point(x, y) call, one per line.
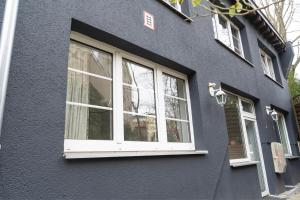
point(294, 31)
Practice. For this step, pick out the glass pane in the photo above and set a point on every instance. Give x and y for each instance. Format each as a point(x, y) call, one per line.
point(84, 123)
point(264, 64)
point(176, 108)
point(247, 107)
point(89, 90)
point(253, 144)
point(137, 75)
point(223, 33)
point(283, 133)
point(138, 100)
point(236, 44)
point(88, 59)
point(140, 128)
point(174, 86)
point(178, 131)
point(234, 128)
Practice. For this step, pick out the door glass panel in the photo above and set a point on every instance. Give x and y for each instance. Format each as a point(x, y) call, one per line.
point(254, 151)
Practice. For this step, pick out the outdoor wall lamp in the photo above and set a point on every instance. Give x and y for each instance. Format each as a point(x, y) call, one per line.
point(220, 95)
point(272, 112)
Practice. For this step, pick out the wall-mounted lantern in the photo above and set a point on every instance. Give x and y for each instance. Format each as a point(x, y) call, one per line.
point(219, 94)
point(272, 113)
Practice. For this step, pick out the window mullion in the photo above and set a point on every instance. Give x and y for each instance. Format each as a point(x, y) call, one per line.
point(118, 116)
point(161, 118)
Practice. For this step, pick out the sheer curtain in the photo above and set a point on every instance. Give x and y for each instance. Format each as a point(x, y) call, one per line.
point(77, 91)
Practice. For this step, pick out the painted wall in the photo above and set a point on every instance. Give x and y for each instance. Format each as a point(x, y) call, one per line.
point(32, 165)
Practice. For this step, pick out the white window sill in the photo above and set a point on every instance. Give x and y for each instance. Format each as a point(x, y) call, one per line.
point(180, 13)
point(241, 164)
point(291, 157)
point(108, 154)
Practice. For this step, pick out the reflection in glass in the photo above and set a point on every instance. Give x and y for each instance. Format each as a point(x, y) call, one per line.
point(84, 123)
point(90, 60)
point(247, 107)
point(223, 32)
point(174, 86)
point(178, 131)
point(138, 101)
point(89, 90)
point(140, 128)
point(236, 140)
point(137, 75)
point(176, 108)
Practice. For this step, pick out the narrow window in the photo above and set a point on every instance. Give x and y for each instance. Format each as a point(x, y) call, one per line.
point(227, 33)
point(284, 138)
point(267, 64)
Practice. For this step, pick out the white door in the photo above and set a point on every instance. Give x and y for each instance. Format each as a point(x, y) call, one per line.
point(256, 153)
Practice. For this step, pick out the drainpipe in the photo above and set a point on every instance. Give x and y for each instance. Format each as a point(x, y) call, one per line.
point(6, 44)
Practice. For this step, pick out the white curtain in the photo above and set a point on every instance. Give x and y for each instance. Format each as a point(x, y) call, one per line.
point(77, 91)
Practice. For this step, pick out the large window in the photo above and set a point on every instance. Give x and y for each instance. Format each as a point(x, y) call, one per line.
point(119, 102)
point(227, 33)
point(267, 64)
point(283, 134)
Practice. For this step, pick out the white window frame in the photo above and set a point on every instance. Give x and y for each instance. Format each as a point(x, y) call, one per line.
point(229, 24)
point(285, 134)
point(118, 144)
point(244, 115)
point(177, 6)
point(268, 65)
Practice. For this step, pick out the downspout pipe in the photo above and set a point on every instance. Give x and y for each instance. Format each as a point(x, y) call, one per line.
point(6, 45)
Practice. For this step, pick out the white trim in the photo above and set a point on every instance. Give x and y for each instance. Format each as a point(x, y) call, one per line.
point(89, 74)
point(175, 119)
point(179, 98)
point(6, 46)
point(139, 114)
point(240, 164)
point(118, 144)
point(87, 105)
point(76, 155)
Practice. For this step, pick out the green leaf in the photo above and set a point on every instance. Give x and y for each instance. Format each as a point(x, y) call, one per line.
point(173, 1)
point(181, 1)
point(238, 6)
point(232, 11)
point(196, 2)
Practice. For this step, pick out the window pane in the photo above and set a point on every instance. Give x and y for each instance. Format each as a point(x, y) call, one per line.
point(176, 108)
point(90, 60)
point(137, 75)
point(140, 128)
point(247, 107)
point(178, 131)
point(264, 64)
point(174, 86)
point(271, 69)
point(138, 100)
point(234, 128)
point(223, 33)
point(236, 40)
point(283, 133)
point(89, 90)
point(84, 123)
